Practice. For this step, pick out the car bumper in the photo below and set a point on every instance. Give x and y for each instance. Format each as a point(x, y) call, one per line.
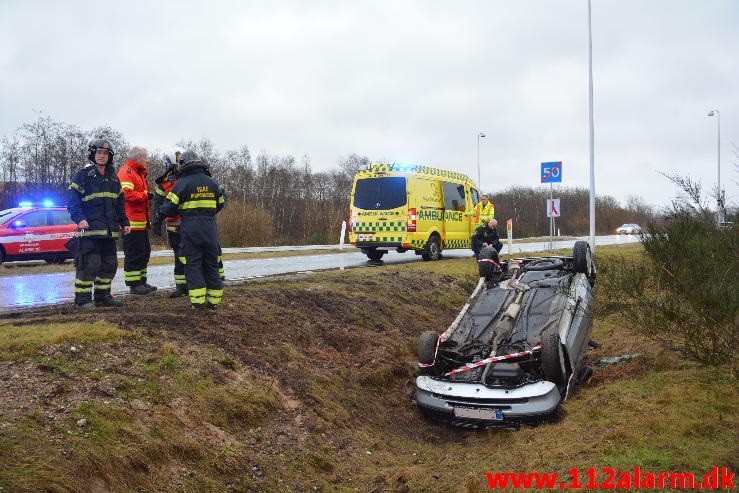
point(527, 404)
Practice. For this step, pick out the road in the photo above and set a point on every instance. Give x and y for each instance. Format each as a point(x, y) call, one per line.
point(32, 290)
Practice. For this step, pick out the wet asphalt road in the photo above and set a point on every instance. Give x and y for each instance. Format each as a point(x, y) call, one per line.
point(32, 290)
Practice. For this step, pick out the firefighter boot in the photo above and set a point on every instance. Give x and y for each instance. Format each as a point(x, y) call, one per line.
point(179, 290)
point(140, 289)
point(108, 301)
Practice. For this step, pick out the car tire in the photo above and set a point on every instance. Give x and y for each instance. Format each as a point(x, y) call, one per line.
point(427, 347)
point(2, 255)
point(432, 250)
point(488, 270)
point(582, 257)
point(375, 254)
point(552, 358)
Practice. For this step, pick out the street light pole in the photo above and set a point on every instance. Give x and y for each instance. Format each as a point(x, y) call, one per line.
point(719, 219)
point(592, 134)
point(479, 136)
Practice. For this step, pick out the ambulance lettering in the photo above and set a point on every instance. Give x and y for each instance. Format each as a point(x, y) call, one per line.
point(453, 216)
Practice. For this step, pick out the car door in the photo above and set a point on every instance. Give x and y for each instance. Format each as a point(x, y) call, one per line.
point(27, 232)
point(456, 223)
point(60, 229)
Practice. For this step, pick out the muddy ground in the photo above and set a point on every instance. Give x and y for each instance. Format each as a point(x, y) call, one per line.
point(300, 383)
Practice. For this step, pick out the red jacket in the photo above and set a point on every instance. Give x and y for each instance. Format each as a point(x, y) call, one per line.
point(136, 193)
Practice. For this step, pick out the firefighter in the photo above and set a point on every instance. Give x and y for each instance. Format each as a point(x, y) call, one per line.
point(484, 212)
point(95, 202)
point(197, 198)
point(136, 245)
point(164, 185)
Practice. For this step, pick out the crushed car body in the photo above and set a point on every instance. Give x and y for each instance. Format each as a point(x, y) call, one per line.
point(516, 349)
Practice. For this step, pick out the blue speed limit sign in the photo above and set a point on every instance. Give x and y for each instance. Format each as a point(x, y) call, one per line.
point(551, 172)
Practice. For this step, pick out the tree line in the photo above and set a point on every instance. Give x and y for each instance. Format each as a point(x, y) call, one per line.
point(273, 199)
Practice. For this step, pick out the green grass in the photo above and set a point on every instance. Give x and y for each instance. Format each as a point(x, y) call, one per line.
point(25, 340)
point(304, 383)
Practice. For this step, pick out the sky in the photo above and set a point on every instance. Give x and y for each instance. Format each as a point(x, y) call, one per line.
point(397, 81)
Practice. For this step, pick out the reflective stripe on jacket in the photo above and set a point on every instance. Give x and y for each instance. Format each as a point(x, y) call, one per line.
point(136, 192)
point(165, 183)
point(194, 194)
point(98, 199)
point(484, 214)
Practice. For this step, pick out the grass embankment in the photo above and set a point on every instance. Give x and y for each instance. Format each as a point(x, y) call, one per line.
point(305, 383)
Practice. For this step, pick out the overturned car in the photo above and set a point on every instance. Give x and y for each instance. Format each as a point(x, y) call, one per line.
point(516, 349)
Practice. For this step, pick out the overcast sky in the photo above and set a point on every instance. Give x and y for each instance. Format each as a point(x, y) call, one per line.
point(410, 81)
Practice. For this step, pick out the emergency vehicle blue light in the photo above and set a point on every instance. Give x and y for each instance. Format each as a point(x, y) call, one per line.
point(48, 203)
point(25, 204)
point(404, 167)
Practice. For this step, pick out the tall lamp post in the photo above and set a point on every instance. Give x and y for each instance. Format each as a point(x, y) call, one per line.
point(719, 210)
point(480, 135)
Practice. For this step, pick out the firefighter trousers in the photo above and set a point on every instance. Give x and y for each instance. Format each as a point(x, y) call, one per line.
point(199, 251)
point(179, 267)
point(96, 264)
point(137, 251)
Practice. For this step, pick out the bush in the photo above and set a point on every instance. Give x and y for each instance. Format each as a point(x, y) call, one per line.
point(686, 291)
point(242, 225)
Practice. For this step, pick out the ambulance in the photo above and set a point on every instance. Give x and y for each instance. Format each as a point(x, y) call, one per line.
point(406, 207)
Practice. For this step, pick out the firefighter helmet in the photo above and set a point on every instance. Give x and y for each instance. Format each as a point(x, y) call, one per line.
point(190, 160)
point(100, 143)
point(172, 158)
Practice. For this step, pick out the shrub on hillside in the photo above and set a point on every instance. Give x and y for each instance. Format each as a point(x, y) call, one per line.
point(685, 291)
point(242, 225)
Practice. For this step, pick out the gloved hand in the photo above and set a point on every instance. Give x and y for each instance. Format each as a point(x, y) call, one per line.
point(156, 228)
point(151, 195)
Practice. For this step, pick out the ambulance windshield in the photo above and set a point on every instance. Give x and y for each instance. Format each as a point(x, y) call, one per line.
point(380, 193)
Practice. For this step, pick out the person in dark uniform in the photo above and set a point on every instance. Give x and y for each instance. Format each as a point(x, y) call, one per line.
point(164, 185)
point(197, 198)
point(95, 202)
point(486, 236)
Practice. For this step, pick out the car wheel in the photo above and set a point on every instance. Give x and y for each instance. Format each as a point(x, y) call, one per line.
point(582, 257)
point(552, 359)
point(2, 255)
point(432, 250)
point(427, 347)
point(486, 269)
point(375, 254)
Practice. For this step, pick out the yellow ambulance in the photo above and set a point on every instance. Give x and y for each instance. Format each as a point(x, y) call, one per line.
point(405, 207)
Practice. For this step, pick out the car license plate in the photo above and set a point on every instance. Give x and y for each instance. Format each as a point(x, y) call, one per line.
point(476, 413)
point(361, 237)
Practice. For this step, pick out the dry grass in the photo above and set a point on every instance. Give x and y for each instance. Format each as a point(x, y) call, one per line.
point(304, 383)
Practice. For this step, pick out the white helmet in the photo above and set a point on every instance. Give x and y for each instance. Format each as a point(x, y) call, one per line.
point(172, 157)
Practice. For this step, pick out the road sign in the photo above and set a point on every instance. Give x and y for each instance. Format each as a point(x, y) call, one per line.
point(553, 208)
point(551, 172)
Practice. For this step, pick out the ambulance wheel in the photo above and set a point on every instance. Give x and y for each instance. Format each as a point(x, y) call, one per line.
point(375, 254)
point(432, 250)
